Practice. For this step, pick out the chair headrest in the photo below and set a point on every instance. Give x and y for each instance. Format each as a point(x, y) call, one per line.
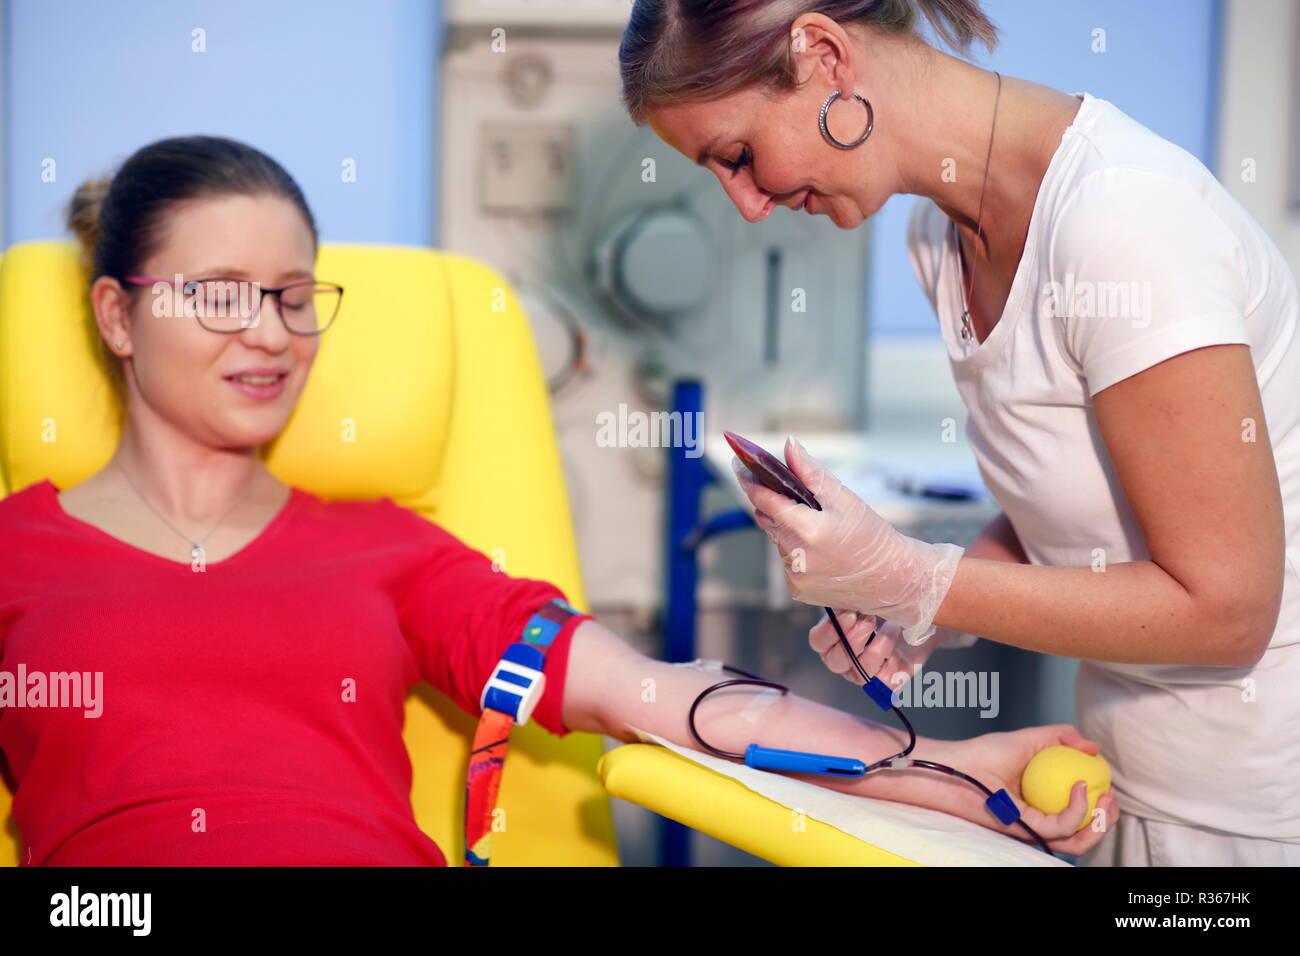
point(372, 420)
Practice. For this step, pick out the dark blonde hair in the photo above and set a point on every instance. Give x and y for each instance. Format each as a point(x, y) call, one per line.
point(676, 51)
point(121, 221)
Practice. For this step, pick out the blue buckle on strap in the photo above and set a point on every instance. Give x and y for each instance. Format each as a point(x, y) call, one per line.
point(516, 683)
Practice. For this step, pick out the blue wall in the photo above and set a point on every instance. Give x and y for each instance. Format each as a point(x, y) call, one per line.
point(1160, 67)
point(311, 83)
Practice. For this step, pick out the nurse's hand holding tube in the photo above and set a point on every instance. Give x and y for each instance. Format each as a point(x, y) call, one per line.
point(846, 555)
point(887, 656)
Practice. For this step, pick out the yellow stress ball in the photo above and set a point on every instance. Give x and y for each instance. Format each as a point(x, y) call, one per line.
point(1054, 770)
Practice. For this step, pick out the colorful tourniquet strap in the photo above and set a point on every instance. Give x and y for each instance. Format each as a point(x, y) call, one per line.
point(508, 698)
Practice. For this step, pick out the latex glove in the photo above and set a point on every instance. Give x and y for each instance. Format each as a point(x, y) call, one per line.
point(891, 659)
point(848, 556)
point(888, 657)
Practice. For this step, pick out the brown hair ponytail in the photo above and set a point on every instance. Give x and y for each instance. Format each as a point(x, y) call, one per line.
point(676, 51)
point(83, 222)
point(83, 217)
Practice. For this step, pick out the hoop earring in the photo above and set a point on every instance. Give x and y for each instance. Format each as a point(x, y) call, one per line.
point(821, 121)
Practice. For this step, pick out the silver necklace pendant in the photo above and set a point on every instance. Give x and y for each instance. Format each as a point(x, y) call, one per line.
point(196, 552)
point(966, 332)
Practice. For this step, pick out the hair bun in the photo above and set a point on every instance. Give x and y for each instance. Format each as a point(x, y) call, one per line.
point(83, 217)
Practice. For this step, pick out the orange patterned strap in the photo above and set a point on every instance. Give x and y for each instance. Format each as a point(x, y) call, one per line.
point(508, 698)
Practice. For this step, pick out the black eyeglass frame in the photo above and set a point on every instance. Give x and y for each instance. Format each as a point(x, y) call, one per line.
point(262, 293)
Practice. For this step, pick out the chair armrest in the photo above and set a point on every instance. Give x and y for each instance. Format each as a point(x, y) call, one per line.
point(680, 789)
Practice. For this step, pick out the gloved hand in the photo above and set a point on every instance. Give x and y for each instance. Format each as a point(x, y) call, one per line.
point(848, 556)
point(892, 660)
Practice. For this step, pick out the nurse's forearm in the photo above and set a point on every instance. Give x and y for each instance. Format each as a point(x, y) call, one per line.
point(1132, 613)
point(609, 686)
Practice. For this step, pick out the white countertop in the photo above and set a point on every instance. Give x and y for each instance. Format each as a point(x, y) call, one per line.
point(866, 464)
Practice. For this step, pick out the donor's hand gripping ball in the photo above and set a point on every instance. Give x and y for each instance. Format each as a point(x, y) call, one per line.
point(1052, 773)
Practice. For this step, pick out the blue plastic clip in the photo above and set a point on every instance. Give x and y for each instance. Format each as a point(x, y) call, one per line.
point(880, 693)
point(1003, 807)
point(769, 758)
point(516, 683)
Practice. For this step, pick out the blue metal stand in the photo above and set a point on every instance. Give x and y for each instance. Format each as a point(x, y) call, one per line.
point(688, 478)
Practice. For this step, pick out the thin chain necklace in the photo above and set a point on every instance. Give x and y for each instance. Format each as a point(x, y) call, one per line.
point(968, 333)
point(196, 549)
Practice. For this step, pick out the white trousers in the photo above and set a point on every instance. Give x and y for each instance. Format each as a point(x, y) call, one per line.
point(1136, 841)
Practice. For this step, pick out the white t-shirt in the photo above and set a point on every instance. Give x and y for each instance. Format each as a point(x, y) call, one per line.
point(1131, 227)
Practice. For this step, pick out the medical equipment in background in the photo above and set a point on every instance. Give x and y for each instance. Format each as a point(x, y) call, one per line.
point(635, 268)
point(638, 274)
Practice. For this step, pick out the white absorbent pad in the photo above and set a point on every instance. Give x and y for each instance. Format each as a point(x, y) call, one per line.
point(922, 835)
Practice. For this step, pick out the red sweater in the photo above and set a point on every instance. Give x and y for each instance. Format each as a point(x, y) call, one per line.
point(251, 714)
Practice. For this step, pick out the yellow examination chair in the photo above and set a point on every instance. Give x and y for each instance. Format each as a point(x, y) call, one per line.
point(433, 362)
point(432, 366)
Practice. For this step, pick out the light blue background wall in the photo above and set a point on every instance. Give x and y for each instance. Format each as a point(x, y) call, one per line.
point(314, 82)
point(311, 83)
point(1160, 67)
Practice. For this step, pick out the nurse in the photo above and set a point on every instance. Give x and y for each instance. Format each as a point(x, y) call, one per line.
point(1125, 339)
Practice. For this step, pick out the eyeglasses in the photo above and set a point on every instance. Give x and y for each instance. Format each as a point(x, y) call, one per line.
point(222, 304)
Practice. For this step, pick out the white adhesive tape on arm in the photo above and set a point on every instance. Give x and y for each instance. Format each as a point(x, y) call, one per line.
point(764, 697)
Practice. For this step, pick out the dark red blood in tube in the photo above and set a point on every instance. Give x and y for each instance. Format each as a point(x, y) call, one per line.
point(770, 471)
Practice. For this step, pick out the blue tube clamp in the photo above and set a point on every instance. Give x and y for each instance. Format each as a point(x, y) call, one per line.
point(1003, 807)
point(880, 693)
point(769, 758)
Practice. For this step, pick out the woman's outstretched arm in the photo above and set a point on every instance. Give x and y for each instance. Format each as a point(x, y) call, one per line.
point(609, 685)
